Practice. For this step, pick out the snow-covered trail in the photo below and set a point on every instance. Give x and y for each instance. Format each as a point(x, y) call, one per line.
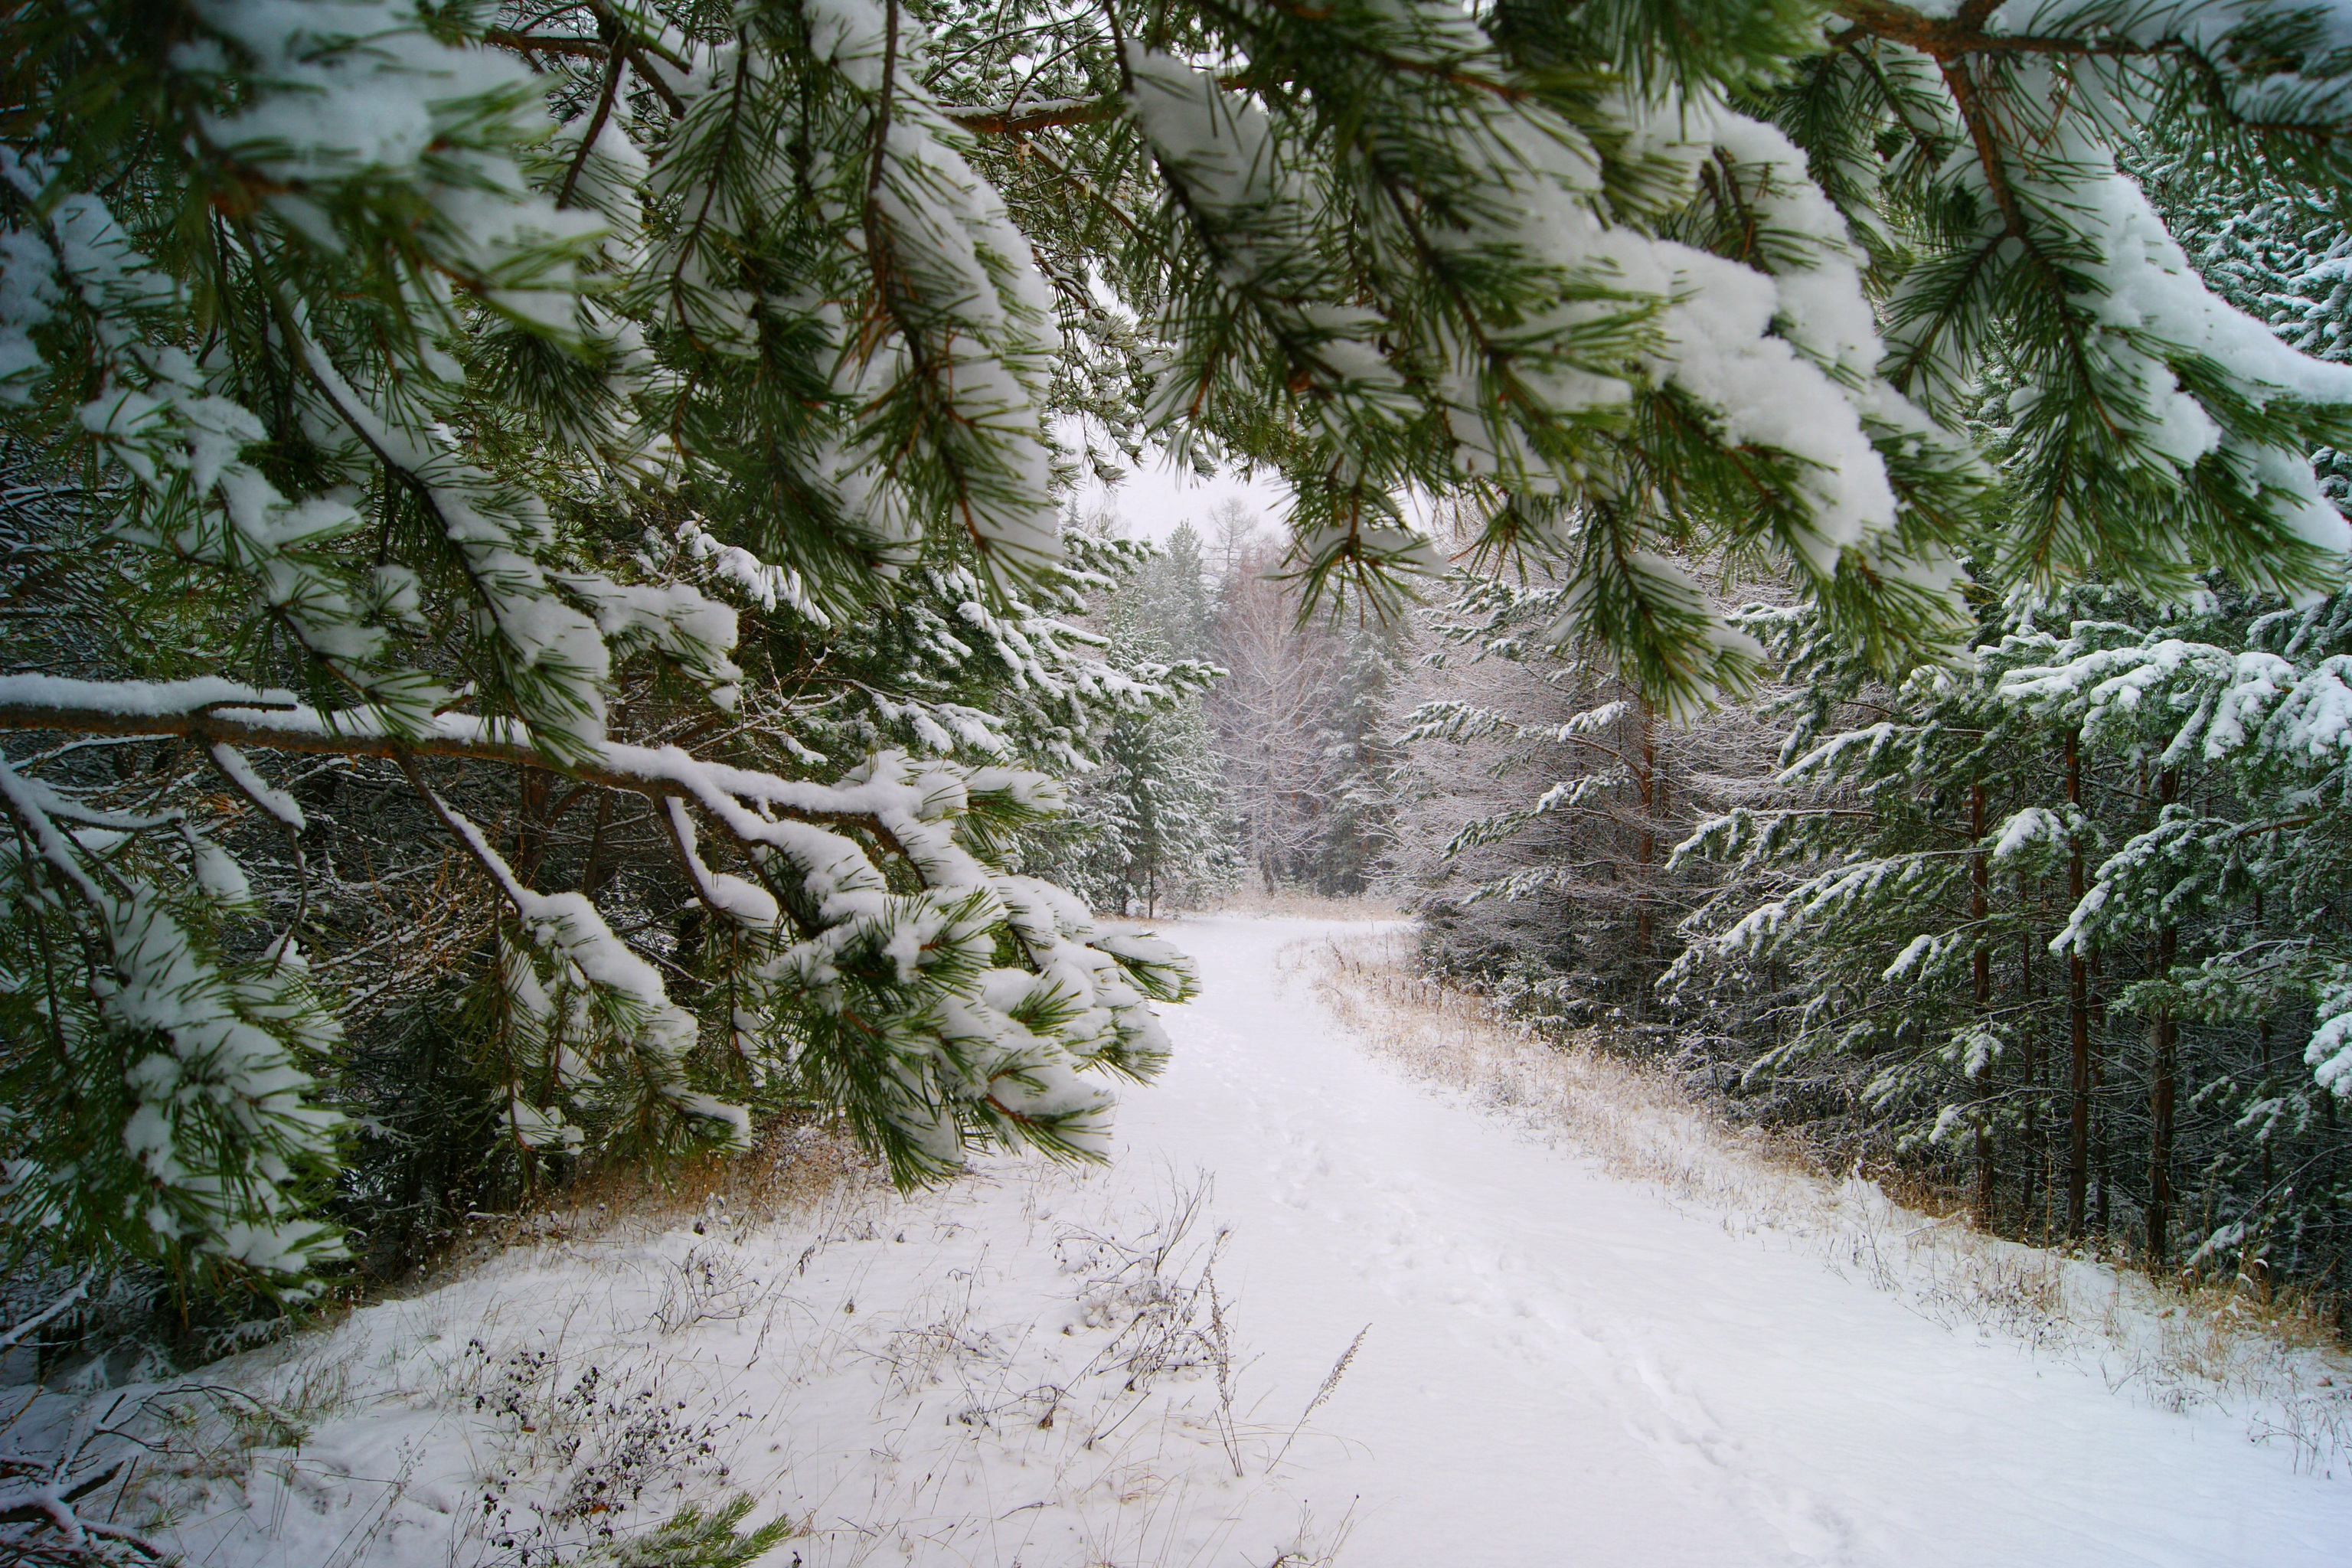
point(1026, 1368)
point(1563, 1368)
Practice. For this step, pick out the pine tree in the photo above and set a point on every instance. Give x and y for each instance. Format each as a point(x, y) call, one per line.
point(1148, 824)
point(1170, 594)
point(2233, 882)
point(2047, 922)
point(2044, 924)
point(1916, 861)
point(379, 417)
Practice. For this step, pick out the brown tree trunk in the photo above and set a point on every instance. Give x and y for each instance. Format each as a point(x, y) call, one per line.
point(2101, 1152)
point(531, 823)
point(2078, 1019)
point(2267, 1174)
point(1979, 903)
point(1646, 845)
point(594, 873)
point(692, 928)
point(2031, 1073)
point(2163, 1038)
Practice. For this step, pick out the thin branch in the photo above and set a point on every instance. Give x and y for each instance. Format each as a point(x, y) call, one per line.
point(11, 1337)
point(608, 765)
point(540, 43)
point(596, 128)
point(1012, 121)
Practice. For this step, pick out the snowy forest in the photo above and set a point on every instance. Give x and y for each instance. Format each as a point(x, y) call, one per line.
point(596, 590)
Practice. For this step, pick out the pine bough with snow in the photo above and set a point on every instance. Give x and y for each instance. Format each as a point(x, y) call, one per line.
point(358, 414)
point(550, 433)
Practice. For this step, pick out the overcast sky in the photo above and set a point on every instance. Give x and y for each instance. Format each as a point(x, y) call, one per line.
point(1156, 495)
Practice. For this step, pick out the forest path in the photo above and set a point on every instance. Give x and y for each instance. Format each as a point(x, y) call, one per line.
point(1564, 1368)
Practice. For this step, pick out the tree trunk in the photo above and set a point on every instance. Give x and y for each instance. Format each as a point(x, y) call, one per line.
point(2268, 1176)
point(1647, 845)
point(1980, 903)
point(2163, 1038)
point(593, 872)
point(2164, 1034)
point(531, 823)
point(2101, 1150)
point(2030, 1184)
point(2078, 1019)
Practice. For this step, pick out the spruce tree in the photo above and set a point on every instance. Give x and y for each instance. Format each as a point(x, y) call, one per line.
point(1908, 868)
point(1361, 756)
point(1146, 829)
point(1171, 594)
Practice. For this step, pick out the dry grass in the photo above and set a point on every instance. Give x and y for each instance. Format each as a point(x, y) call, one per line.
point(792, 1169)
point(2272, 1360)
point(1288, 903)
point(1639, 1125)
point(233, 1431)
point(1156, 1434)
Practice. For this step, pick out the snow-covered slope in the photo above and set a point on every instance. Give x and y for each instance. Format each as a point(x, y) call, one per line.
point(1556, 1366)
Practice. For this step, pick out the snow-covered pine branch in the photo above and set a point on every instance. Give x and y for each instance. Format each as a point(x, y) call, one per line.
point(424, 432)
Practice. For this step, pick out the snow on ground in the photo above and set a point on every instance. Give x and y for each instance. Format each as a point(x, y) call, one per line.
point(1025, 1369)
point(1557, 1366)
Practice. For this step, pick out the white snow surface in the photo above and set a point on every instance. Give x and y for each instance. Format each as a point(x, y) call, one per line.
point(1561, 1367)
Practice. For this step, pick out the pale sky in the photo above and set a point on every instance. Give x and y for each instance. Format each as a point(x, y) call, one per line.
point(1156, 495)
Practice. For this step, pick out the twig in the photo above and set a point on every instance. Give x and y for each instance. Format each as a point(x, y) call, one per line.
point(1330, 1382)
point(9, 1337)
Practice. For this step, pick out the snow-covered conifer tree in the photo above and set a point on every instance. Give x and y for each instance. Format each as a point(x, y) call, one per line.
point(1360, 755)
point(1895, 898)
point(1546, 798)
point(1147, 825)
point(373, 402)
